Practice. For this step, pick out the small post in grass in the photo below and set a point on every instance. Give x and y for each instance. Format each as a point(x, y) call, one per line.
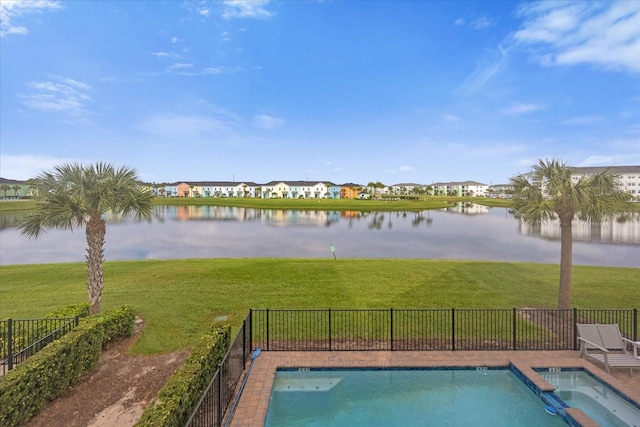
point(333, 251)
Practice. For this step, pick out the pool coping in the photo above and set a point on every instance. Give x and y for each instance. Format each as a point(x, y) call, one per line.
point(254, 401)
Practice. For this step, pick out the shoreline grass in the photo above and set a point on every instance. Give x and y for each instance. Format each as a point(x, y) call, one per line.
point(180, 299)
point(424, 203)
point(359, 205)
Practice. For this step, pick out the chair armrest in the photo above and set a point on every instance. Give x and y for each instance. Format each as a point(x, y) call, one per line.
point(634, 344)
point(594, 345)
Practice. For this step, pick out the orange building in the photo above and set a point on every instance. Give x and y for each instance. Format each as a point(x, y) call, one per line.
point(350, 191)
point(184, 189)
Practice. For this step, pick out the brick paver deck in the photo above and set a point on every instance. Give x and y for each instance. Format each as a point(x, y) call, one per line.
point(252, 407)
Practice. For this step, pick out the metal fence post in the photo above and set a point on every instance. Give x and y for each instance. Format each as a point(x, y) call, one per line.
point(77, 319)
point(514, 328)
point(575, 328)
point(635, 324)
point(219, 414)
point(244, 342)
point(10, 343)
point(453, 329)
point(250, 330)
point(329, 331)
point(391, 327)
point(267, 329)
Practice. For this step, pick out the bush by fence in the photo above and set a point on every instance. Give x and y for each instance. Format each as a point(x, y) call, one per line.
point(216, 399)
point(179, 396)
point(43, 377)
point(22, 338)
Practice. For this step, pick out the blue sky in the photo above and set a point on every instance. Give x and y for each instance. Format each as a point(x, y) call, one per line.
point(347, 91)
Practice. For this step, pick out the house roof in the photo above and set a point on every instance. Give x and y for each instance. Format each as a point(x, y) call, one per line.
point(464, 183)
point(300, 183)
point(407, 184)
point(595, 169)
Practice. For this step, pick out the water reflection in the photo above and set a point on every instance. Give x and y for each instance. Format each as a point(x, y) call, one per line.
point(624, 229)
point(464, 231)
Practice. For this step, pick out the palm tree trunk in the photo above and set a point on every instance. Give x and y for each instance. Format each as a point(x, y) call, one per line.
point(95, 231)
point(566, 255)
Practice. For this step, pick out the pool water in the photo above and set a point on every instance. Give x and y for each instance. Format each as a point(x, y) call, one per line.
point(602, 404)
point(407, 397)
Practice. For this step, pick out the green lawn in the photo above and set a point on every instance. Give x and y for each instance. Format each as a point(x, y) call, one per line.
point(180, 299)
point(303, 204)
point(311, 204)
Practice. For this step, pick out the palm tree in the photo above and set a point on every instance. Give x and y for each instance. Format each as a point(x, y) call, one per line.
point(549, 192)
point(5, 188)
point(73, 195)
point(16, 188)
point(32, 186)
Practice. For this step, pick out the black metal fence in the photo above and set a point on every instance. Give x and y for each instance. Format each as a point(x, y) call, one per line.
point(22, 338)
point(216, 399)
point(428, 329)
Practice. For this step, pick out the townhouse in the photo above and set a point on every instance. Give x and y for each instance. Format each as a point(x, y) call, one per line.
point(629, 181)
point(628, 176)
point(461, 188)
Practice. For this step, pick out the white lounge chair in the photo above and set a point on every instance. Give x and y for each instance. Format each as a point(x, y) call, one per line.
point(605, 344)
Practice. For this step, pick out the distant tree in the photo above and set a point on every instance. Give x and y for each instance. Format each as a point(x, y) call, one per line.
point(5, 188)
point(549, 192)
point(16, 188)
point(32, 186)
point(73, 195)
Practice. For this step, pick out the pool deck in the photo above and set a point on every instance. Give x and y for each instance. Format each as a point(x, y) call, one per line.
point(252, 407)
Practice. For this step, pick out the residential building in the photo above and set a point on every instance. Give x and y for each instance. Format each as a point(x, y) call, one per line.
point(628, 176)
point(405, 188)
point(350, 190)
point(462, 188)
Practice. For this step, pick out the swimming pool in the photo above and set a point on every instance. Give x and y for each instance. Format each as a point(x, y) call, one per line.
point(392, 397)
point(578, 389)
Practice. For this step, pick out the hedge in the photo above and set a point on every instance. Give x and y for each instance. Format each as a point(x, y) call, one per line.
point(182, 392)
point(72, 310)
point(44, 376)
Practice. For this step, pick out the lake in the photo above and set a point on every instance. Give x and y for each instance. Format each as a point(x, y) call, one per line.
point(464, 232)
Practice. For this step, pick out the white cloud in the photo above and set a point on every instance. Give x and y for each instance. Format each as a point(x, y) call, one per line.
point(480, 23)
point(267, 122)
point(175, 40)
point(11, 9)
point(581, 120)
point(406, 168)
point(459, 22)
point(246, 9)
point(65, 96)
point(596, 161)
point(603, 34)
point(183, 127)
point(484, 72)
point(180, 66)
point(26, 166)
point(450, 118)
point(516, 109)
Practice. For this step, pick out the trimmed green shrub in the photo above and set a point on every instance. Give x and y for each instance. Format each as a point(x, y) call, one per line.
point(180, 395)
point(39, 330)
point(72, 310)
point(43, 377)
